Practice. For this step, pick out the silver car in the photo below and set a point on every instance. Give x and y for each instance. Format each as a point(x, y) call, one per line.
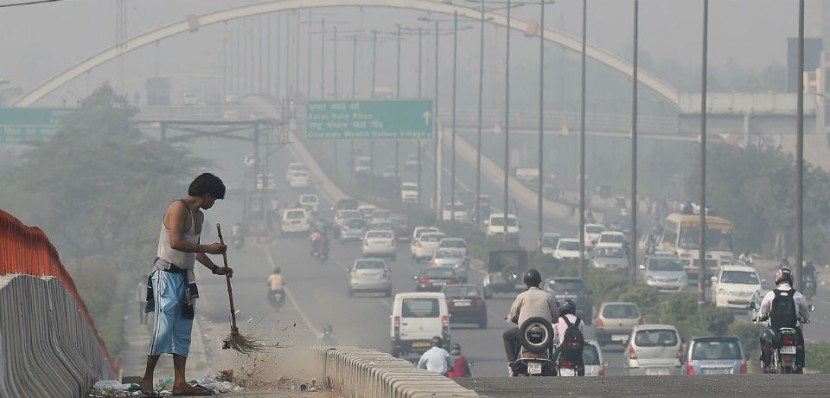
point(370, 275)
point(353, 230)
point(654, 350)
point(451, 258)
point(715, 356)
point(609, 257)
point(666, 273)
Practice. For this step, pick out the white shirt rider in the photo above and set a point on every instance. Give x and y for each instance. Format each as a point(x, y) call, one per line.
point(437, 360)
point(561, 326)
point(801, 308)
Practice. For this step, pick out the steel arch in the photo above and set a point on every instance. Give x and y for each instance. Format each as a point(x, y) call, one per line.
point(668, 92)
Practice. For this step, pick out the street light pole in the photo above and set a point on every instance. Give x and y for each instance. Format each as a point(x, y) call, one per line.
point(354, 95)
point(436, 138)
point(335, 62)
point(323, 58)
point(454, 74)
point(799, 152)
point(582, 142)
point(701, 277)
point(634, 202)
point(539, 204)
point(507, 126)
point(398, 95)
point(480, 108)
point(374, 75)
point(308, 64)
point(420, 74)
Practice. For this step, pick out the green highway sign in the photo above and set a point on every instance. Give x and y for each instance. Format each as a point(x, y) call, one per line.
point(30, 124)
point(409, 119)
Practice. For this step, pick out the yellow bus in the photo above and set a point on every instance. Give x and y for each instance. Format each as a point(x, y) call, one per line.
point(681, 234)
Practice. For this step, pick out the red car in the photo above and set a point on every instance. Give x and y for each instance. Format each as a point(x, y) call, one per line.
point(466, 304)
point(433, 279)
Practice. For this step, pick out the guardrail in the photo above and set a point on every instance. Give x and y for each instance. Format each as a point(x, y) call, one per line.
point(361, 373)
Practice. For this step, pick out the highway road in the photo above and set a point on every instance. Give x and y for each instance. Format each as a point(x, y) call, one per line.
point(317, 296)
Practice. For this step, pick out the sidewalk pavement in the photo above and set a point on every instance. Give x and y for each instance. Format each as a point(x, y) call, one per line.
point(137, 341)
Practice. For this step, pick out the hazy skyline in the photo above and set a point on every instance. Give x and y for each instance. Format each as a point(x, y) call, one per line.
point(42, 40)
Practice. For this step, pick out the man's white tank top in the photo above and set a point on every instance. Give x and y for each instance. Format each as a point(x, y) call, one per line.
point(172, 256)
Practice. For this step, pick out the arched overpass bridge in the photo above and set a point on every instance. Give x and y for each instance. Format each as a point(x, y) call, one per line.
point(190, 24)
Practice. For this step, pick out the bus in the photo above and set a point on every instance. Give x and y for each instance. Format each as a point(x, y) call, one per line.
point(681, 234)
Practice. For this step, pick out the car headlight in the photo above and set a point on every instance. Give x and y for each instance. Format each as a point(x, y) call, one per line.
point(651, 279)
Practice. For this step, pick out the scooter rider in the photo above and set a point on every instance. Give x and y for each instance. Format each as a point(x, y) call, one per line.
point(567, 310)
point(436, 359)
point(276, 283)
point(533, 302)
point(787, 317)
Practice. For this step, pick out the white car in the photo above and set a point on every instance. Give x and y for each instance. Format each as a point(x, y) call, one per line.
point(294, 221)
point(611, 238)
point(416, 233)
point(733, 286)
point(549, 241)
point(425, 245)
point(454, 244)
point(409, 192)
point(366, 210)
point(593, 360)
point(456, 212)
point(592, 232)
point(310, 201)
point(495, 226)
point(379, 244)
point(294, 167)
point(411, 162)
point(362, 165)
point(567, 249)
point(299, 179)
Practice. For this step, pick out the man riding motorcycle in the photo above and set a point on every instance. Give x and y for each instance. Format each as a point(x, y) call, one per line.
point(319, 242)
point(784, 318)
point(276, 282)
point(533, 302)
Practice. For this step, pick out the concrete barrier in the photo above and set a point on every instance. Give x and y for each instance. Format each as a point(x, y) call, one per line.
point(46, 348)
point(357, 373)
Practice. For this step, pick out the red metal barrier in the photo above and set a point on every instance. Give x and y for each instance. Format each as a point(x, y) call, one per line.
point(27, 250)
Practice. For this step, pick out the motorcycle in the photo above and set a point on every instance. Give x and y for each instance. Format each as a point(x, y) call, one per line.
point(536, 338)
point(237, 238)
point(809, 288)
point(277, 298)
point(320, 252)
point(781, 345)
point(565, 367)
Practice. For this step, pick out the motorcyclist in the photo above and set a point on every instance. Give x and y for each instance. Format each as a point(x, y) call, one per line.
point(315, 240)
point(745, 258)
point(276, 284)
point(778, 318)
point(460, 364)
point(568, 310)
point(327, 336)
point(533, 302)
point(436, 359)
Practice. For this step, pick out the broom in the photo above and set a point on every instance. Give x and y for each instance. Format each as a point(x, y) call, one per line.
point(235, 340)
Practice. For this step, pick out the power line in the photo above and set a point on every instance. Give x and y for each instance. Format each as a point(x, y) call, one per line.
point(28, 3)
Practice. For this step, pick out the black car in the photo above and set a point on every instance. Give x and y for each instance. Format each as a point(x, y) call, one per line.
point(433, 279)
point(347, 204)
point(574, 289)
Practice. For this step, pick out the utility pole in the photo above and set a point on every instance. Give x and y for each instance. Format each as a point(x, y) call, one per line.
point(634, 202)
point(582, 142)
point(507, 127)
point(539, 203)
point(701, 277)
point(452, 146)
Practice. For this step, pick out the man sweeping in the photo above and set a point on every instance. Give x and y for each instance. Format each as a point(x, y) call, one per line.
point(173, 282)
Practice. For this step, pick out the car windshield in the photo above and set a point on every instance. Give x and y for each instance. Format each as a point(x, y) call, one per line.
point(356, 223)
point(431, 237)
point(369, 264)
point(420, 308)
point(454, 243)
point(382, 214)
point(566, 285)
point(409, 187)
point(610, 252)
point(379, 234)
point(740, 277)
point(594, 229)
point(620, 311)
point(383, 226)
point(499, 221)
point(612, 238)
point(590, 355)
point(549, 241)
point(716, 349)
point(308, 199)
point(347, 204)
point(448, 254)
point(655, 338)
point(293, 215)
point(363, 162)
point(568, 245)
point(461, 291)
point(665, 264)
point(439, 273)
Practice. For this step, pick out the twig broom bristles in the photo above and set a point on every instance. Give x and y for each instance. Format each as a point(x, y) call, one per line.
point(235, 340)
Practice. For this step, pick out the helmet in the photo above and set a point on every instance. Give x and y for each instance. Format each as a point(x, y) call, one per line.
point(436, 341)
point(277, 270)
point(532, 278)
point(567, 307)
point(783, 275)
point(327, 329)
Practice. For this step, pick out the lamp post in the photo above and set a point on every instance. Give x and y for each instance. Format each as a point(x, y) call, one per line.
point(539, 194)
point(634, 202)
point(799, 151)
point(701, 277)
point(582, 142)
point(507, 125)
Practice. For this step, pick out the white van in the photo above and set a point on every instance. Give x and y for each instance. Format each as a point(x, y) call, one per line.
point(294, 221)
point(495, 226)
point(416, 319)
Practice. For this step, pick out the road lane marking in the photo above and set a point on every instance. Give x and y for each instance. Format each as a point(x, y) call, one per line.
point(290, 296)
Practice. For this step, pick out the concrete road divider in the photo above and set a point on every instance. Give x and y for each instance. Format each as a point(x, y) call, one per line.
point(46, 347)
point(357, 373)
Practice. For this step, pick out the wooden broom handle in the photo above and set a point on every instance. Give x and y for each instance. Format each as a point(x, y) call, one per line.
point(227, 278)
